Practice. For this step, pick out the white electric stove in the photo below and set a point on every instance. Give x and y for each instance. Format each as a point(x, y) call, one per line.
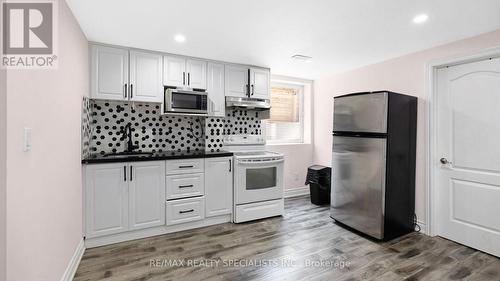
point(258, 178)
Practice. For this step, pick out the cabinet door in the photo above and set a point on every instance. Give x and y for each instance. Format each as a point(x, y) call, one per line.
point(259, 83)
point(236, 81)
point(106, 199)
point(145, 77)
point(147, 194)
point(196, 74)
point(215, 89)
point(109, 73)
point(218, 186)
point(174, 71)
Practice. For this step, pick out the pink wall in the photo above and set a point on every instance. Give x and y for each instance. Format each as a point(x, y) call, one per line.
point(406, 74)
point(44, 187)
point(3, 232)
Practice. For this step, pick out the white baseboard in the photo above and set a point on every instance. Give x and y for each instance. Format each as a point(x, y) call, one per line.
point(294, 192)
point(70, 271)
point(423, 227)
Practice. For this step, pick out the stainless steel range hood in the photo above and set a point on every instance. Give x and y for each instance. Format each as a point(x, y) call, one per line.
point(250, 103)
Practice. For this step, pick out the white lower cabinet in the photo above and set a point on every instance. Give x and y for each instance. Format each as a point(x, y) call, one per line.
point(131, 200)
point(106, 199)
point(146, 194)
point(218, 186)
point(185, 210)
point(120, 197)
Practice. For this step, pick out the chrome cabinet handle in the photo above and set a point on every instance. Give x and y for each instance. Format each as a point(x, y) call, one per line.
point(444, 161)
point(184, 167)
point(186, 186)
point(253, 89)
point(230, 164)
point(131, 90)
point(183, 78)
point(124, 173)
point(187, 211)
point(131, 173)
point(189, 78)
point(125, 90)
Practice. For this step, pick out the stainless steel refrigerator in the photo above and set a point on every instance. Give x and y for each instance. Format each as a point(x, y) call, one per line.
point(373, 163)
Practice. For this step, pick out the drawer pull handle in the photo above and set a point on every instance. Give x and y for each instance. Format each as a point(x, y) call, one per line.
point(186, 186)
point(187, 166)
point(187, 211)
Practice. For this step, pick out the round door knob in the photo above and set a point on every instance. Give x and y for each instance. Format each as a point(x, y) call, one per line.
point(444, 161)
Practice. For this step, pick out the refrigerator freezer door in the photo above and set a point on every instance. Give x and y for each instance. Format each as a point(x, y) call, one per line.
point(361, 113)
point(358, 183)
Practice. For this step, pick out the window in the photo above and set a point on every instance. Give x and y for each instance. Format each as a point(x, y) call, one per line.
point(286, 122)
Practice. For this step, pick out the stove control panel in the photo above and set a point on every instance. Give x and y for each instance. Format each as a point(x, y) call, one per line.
point(244, 140)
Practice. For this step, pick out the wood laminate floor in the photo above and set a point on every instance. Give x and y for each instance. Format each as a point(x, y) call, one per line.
point(303, 245)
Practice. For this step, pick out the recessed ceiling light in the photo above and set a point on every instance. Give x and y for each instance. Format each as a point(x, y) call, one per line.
point(302, 58)
point(418, 19)
point(179, 38)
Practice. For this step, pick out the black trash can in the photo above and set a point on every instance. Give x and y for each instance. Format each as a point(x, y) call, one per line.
point(319, 180)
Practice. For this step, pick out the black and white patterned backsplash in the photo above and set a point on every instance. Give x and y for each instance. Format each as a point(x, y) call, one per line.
point(237, 121)
point(103, 123)
point(150, 130)
point(86, 127)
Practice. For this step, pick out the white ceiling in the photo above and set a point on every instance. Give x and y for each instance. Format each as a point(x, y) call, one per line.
point(338, 34)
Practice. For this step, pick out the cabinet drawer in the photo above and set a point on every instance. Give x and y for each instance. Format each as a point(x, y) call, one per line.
point(185, 210)
point(184, 166)
point(187, 185)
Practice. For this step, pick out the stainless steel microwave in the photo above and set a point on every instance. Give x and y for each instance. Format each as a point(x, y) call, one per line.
point(185, 101)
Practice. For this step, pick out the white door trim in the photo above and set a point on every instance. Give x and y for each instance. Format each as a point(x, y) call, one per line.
point(431, 125)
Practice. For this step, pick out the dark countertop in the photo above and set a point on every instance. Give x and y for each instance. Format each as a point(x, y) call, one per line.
point(165, 155)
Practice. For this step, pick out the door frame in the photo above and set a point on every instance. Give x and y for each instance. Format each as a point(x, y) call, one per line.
point(431, 202)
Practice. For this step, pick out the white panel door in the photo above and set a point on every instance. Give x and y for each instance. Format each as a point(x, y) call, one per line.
point(145, 77)
point(196, 73)
point(147, 194)
point(215, 89)
point(468, 149)
point(236, 81)
point(174, 71)
point(106, 199)
point(109, 73)
point(260, 83)
point(218, 186)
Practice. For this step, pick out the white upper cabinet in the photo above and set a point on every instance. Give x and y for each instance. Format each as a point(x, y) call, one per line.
point(236, 81)
point(182, 72)
point(215, 89)
point(247, 82)
point(174, 71)
point(147, 194)
point(218, 186)
point(109, 73)
point(106, 199)
point(260, 83)
point(120, 74)
point(196, 73)
point(145, 77)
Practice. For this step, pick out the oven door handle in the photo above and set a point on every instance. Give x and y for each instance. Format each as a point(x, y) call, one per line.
point(240, 161)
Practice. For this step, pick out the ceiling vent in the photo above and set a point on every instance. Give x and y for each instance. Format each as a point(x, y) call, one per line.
point(302, 58)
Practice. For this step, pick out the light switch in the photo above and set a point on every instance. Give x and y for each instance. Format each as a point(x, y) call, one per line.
point(27, 139)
